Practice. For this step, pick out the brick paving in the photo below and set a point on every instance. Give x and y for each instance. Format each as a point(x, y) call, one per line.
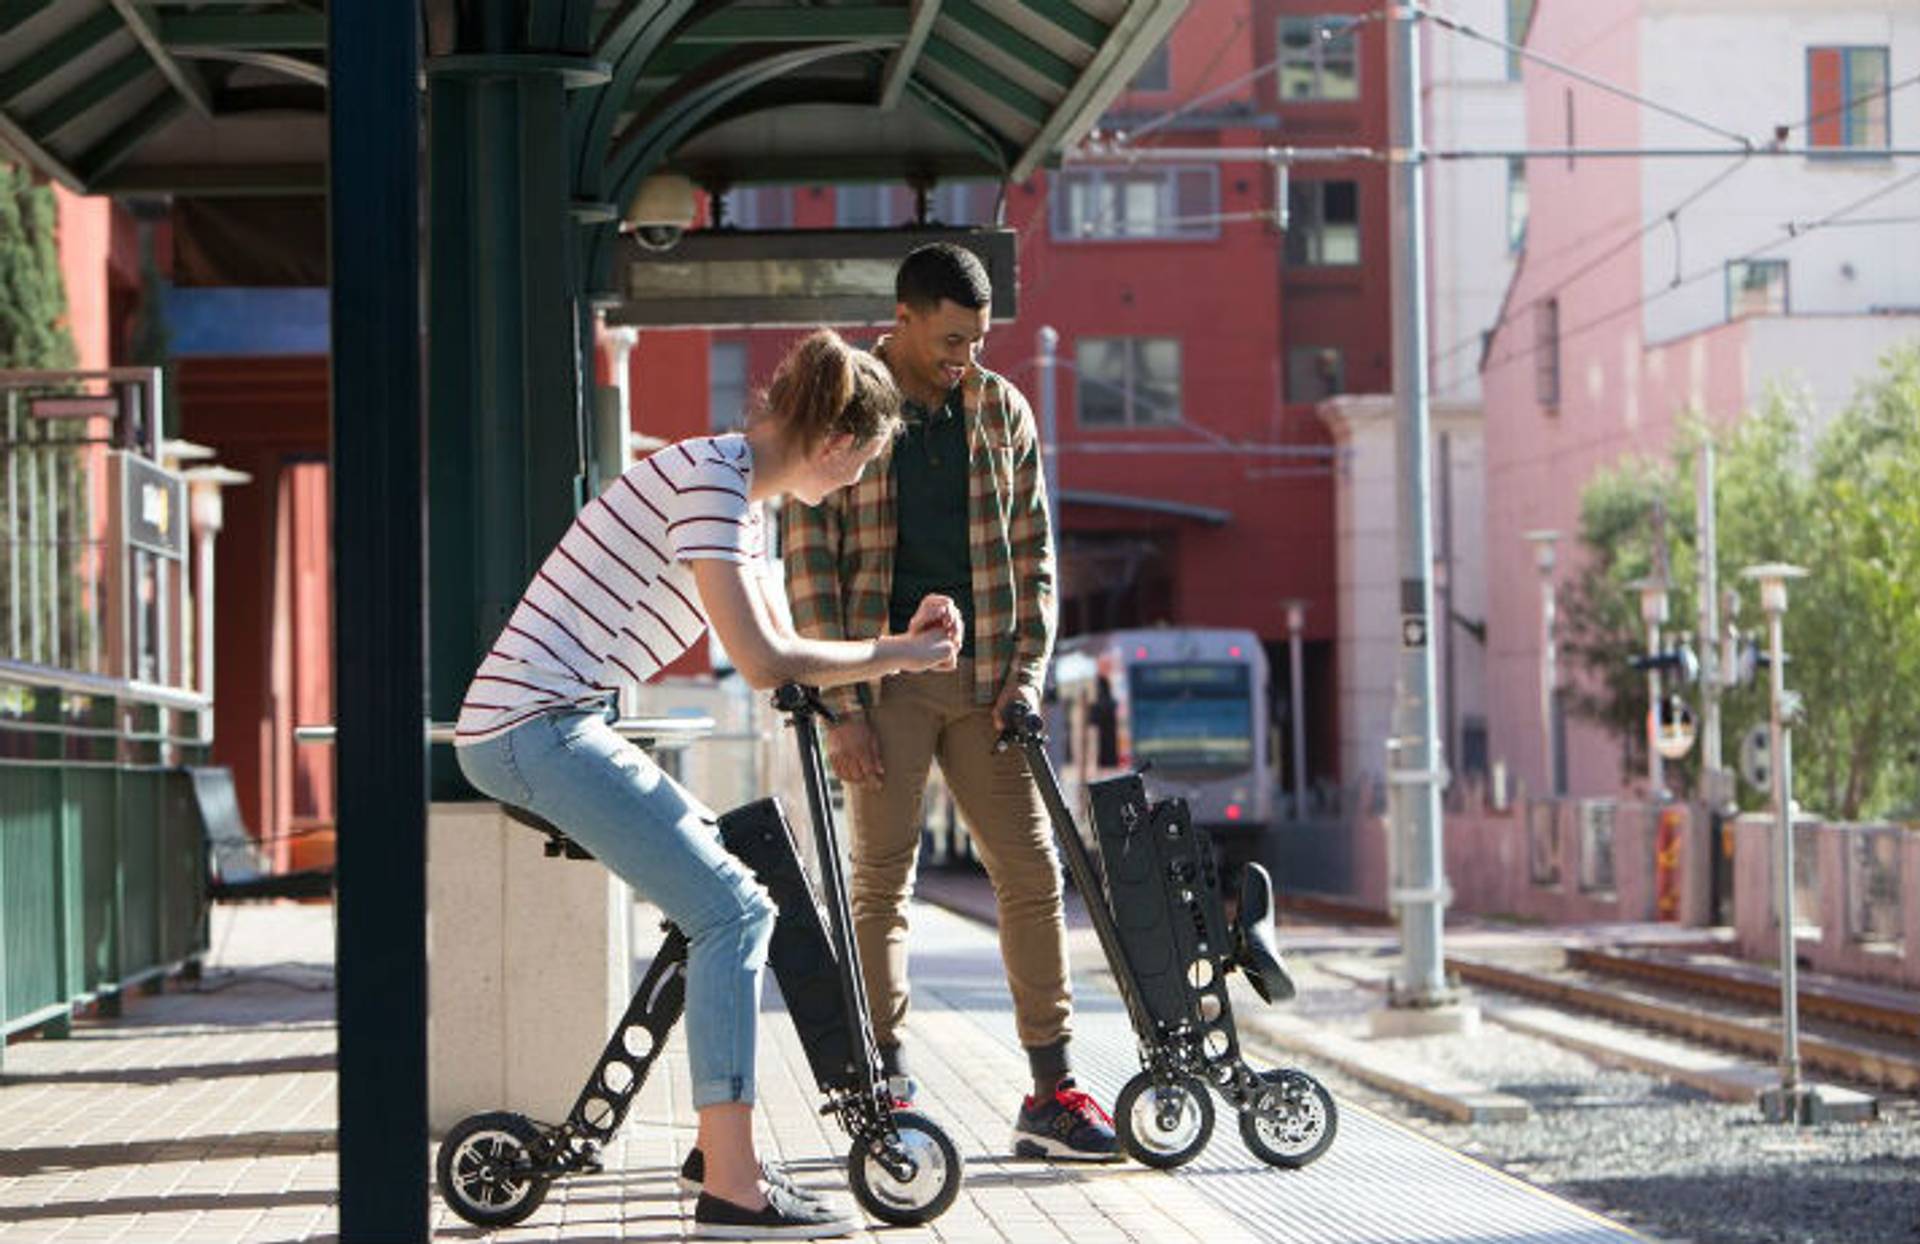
point(206, 1114)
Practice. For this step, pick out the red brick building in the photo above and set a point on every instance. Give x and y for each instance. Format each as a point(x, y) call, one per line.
point(1196, 479)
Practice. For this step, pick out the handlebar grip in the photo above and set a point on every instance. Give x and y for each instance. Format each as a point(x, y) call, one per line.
point(794, 698)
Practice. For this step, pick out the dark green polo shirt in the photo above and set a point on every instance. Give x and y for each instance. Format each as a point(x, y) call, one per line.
point(930, 491)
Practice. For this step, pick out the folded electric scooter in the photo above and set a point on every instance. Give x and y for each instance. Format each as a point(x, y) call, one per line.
point(494, 1169)
point(1163, 928)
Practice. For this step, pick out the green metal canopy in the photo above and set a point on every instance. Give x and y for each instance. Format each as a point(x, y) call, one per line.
point(230, 96)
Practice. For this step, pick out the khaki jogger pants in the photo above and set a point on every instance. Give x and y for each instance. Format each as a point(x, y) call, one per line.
point(920, 718)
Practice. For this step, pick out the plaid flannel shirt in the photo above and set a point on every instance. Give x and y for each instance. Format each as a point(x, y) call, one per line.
point(839, 554)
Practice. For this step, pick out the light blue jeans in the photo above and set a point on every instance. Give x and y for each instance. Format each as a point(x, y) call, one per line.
point(609, 796)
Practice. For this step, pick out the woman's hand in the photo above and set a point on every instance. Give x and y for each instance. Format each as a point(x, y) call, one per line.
point(929, 648)
point(938, 611)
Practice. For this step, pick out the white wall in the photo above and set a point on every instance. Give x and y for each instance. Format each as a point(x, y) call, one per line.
point(1828, 357)
point(1470, 104)
point(1743, 66)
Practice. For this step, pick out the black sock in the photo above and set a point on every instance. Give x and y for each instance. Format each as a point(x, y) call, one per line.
point(1048, 1065)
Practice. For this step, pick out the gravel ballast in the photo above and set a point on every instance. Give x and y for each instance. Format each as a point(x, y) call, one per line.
point(1670, 1162)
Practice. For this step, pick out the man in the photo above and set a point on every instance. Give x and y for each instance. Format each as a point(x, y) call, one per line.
point(958, 508)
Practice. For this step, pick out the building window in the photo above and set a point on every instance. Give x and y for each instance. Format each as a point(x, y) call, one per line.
point(1516, 204)
point(1104, 204)
point(1519, 17)
point(758, 207)
point(1756, 287)
point(1318, 59)
point(871, 206)
point(1315, 372)
point(1546, 344)
point(727, 386)
point(1847, 98)
point(1156, 72)
point(964, 202)
point(1128, 381)
point(1323, 223)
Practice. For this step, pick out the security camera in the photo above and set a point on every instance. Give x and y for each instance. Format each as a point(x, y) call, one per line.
point(661, 211)
point(658, 237)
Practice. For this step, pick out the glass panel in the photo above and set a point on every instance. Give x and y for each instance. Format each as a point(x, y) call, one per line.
point(1192, 715)
point(1315, 372)
point(1516, 203)
point(1156, 72)
point(1139, 203)
point(1340, 210)
point(1756, 288)
point(1299, 78)
point(1866, 97)
point(1102, 364)
point(727, 386)
point(1156, 380)
point(860, 207)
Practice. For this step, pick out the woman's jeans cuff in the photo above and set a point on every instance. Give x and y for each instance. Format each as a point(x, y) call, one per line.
point(724, 1091)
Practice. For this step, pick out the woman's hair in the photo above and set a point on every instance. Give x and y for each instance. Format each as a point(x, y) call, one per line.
point(824, 387)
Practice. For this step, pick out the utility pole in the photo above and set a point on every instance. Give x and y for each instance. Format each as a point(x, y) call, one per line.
point(1717, 781)
point(1048, 342)
point(1420, 999)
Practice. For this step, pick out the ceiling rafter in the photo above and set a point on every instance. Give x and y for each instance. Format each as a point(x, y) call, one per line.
point(303, 31)
point(906, 58)
point(83, 98)
point(977, 21)
point(183, 79)
point(977, 72)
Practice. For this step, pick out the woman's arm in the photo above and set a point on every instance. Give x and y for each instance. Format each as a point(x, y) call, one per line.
point(766, 655)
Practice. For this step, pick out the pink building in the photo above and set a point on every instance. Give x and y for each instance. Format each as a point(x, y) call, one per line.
point(1652, 287)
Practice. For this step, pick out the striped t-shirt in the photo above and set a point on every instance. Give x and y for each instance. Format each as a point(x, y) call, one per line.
point(616, 599)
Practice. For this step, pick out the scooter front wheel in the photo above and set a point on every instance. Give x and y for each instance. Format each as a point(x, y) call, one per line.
point(1292, 1121)
point(484, 1169)
point(1163, 1126)
point(925, 1194)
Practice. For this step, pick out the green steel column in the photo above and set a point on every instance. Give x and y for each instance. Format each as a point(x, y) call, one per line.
point(506, 465)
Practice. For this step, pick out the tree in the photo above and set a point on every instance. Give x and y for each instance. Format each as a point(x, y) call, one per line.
point(1840, 501)
point(33, 295)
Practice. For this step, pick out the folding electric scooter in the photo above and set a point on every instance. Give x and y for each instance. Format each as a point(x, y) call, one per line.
point(1163, 929)
point(495, 1168)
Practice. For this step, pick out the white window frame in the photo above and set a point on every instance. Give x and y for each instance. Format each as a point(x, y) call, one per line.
point(1165, 177)
point(1736, 266)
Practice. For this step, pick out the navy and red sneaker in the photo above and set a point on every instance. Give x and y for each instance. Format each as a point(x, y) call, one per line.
point(1069, 1125)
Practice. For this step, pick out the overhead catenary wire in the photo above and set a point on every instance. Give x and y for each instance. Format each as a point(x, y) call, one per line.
point(1794, 231)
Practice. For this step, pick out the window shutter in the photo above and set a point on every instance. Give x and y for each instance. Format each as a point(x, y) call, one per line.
point(1826, 97)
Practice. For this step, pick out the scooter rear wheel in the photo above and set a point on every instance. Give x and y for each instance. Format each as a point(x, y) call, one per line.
point(483, 1169)
point(927, 1193)
point(1161, 1127)
point(1292, 1122)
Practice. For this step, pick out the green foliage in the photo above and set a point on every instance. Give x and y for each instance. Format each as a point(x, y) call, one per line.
point(1841, 502)
point(33, 296)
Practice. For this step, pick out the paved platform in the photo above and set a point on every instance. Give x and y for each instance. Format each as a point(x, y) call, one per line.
point(208, 1116)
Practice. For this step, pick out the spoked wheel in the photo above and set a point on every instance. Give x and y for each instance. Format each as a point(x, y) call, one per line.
point(1163, 1126)
point(484, 1169)
point(922, 1196)
point(1292, 1121)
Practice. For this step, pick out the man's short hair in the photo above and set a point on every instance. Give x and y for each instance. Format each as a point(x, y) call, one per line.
point(942, 270)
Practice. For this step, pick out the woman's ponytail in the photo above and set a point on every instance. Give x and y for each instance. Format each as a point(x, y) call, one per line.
point(824, 387)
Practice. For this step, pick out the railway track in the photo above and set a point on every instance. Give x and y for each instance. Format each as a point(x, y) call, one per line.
point(1851, 1033)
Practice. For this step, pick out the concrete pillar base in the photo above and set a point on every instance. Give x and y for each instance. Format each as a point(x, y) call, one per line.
point(528, 967)
point(1817, 1103)
point(1455, 1018)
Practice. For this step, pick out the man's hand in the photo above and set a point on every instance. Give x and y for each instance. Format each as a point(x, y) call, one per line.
point(1012, 695)
point(853, 749)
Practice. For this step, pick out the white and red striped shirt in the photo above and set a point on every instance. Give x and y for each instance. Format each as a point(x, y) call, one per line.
point(616, 599)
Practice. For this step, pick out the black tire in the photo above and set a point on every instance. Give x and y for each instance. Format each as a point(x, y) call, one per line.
point(1147, 1137)
point(1292, 1122)
point(481, 1169)
point(936, 1179)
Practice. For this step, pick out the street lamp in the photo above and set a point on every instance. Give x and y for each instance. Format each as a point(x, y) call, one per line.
point(1554, 781)
point(1792, 1101)
point(1296, 626)
point(1653, 612)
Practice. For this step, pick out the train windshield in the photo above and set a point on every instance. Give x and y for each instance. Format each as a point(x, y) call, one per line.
point(1192, 714)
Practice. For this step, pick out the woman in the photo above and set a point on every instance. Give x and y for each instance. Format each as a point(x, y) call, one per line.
point(672, 547)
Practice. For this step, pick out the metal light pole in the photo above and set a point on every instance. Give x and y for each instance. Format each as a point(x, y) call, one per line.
point(1048, 342)
point(1653, 611)
point(1718, 782)
point(1792, 1101)
point(1420, 999)
point(1297, 699)
point(1554, 782)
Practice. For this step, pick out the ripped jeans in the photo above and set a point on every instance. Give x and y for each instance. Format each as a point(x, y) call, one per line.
point(606, 794)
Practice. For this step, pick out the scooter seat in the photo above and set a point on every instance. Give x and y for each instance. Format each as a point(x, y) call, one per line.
point(557, 844)
point(1256, 947)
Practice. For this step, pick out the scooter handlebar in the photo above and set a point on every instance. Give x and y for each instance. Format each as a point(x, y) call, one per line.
point(793, 698)
point(1026, 724)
